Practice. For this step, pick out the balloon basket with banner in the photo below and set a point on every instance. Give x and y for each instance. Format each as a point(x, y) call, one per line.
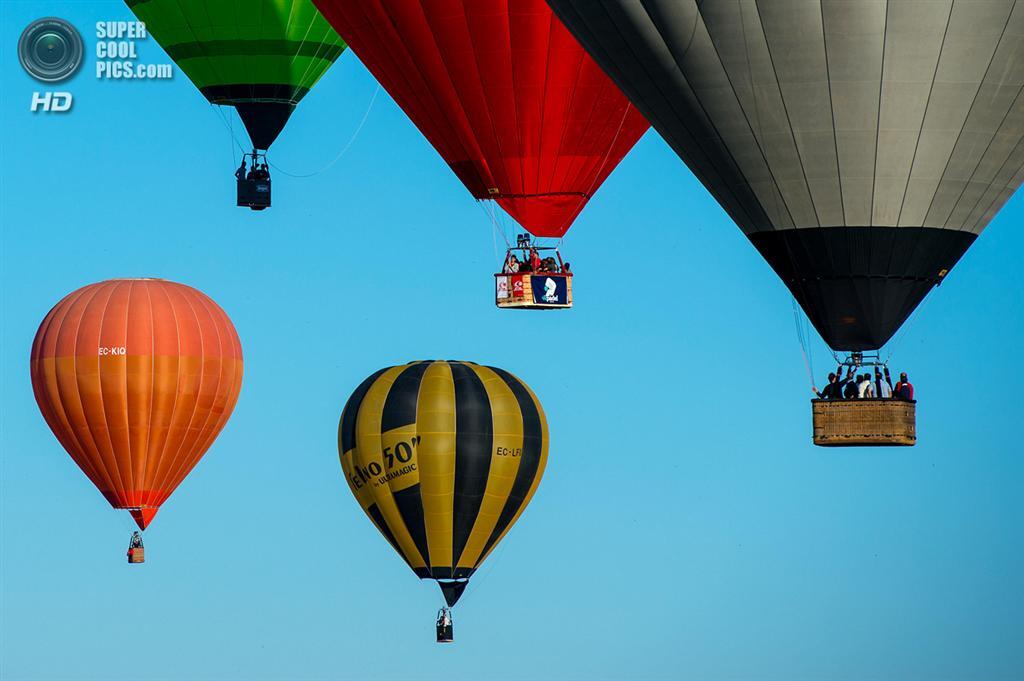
point(870, 422)
point(531, 282)
point(533, 291)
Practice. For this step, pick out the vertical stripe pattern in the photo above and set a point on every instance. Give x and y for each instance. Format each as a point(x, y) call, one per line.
point(136, 378)
point(861, 146)
point(443, 457)
point(521, 114)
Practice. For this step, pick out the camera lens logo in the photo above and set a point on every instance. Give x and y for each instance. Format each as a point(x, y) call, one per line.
point(50, 50)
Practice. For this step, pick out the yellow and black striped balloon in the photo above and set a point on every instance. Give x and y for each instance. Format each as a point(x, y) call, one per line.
point(443, 457)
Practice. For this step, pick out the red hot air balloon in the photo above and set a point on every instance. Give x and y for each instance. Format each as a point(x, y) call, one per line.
point(136, 378)
point(504, 93)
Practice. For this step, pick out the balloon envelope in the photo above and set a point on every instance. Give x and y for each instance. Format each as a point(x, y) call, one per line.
point(504, 93)
point(136, 378)
point(260, 56)
point(443, 457)
point(861, 146)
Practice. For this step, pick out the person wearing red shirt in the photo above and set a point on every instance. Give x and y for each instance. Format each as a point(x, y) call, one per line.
point(904, 390)
point(534, 260)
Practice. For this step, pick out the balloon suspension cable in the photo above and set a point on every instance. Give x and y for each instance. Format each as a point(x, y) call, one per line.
point(124, 519)
point(902, 333)
point(497, 224)
point(344, 149)
point(231, 130)
point(478, 579)
point(803, 335)
point(493, 217)
point(231, 143)
point(494, 239)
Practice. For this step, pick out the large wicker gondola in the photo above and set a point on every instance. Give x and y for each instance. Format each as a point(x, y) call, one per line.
point(867, 422)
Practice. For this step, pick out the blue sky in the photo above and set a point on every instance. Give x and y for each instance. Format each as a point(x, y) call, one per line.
point(686, 528)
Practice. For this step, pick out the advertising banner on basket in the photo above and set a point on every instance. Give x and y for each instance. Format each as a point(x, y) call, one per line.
point(550, 290)
point(502, 284)
point(517, 286)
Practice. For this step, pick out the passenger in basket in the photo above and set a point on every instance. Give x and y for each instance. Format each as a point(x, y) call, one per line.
point(534, 260)
point(834, 390)
point(865, 389)
point(850, 389)
point(240, 173)
point(904, 390)
point(512, 264)
point(883, 384)
point(565, 269)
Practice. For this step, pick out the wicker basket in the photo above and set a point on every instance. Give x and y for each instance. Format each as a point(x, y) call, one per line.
point(867, 422)
point(137, 555)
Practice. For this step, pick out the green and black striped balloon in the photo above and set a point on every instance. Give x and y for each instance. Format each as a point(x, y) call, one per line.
point(443, 457)
point(260, 56)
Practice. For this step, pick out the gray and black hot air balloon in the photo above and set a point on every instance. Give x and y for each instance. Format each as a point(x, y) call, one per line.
point(860, 146)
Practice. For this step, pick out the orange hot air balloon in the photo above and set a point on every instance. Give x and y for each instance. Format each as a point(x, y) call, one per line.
point(136, 378)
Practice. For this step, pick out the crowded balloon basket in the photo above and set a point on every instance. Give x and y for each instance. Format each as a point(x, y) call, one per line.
point(533, 277)
point(865, 410)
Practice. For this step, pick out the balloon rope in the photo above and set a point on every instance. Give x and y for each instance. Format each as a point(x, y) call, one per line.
point(808, 337)
point(494, 241)
point(494, 234)
point(472, 586)
point(492, 216)
point(231, 145)
point(230, 128)
point(496, 227)
point(124, 519)
point(802, 336)
point(906, 327)
point(343, 149)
